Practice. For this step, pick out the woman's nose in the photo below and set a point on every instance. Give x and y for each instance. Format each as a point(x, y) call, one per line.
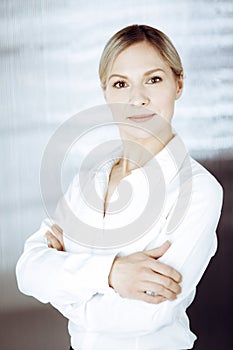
point(139, 97)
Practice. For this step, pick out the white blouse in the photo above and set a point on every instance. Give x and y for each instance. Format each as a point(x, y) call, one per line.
point(172, 197)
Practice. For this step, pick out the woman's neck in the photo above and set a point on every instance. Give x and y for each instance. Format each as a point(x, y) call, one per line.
point(137, 152)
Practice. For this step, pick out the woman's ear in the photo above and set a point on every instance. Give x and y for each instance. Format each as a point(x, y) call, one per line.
point(180, 85)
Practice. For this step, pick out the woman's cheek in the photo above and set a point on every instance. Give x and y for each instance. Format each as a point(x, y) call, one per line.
point(120, 98)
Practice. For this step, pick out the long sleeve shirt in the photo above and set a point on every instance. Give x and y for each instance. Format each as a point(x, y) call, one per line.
point(184, 207)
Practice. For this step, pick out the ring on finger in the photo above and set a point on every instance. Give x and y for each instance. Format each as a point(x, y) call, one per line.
point(150, 292)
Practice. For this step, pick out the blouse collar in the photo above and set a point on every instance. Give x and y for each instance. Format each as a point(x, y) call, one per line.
point(169, 159)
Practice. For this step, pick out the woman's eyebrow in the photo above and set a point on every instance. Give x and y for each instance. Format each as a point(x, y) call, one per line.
point(118, 76)
point(149, 72)
point(145, 74)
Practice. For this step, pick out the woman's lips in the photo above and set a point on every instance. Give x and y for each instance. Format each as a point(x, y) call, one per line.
point(141, 118)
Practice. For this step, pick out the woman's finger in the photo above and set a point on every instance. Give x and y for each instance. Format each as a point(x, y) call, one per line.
point(58, 228)
point(151, 299)
point(58, 233)
point(159, 290)
point(53, 242)
point(159, 251)
point(165, 270)
point(166, 282)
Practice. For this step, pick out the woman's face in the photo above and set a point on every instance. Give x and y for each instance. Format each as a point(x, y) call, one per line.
point(141, 78)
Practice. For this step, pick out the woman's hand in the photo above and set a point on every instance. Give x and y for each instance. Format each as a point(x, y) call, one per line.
point(55, 239)
point(131, 276)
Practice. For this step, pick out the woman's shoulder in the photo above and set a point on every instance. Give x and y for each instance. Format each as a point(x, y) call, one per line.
point(204, 181)
point(199, 170)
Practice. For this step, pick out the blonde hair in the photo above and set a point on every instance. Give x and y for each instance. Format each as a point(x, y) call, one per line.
point(134, 34)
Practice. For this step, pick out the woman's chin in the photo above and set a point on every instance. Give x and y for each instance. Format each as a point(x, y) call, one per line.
point(139, 133)
point(134, 133)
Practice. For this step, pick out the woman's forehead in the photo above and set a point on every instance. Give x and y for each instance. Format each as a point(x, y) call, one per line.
point(141, 55)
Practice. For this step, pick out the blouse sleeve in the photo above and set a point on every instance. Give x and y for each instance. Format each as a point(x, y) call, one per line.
point(60, 277)
point(194, 242)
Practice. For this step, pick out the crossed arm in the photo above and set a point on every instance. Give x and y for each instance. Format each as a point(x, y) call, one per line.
point(81, 286)
point(130, 276)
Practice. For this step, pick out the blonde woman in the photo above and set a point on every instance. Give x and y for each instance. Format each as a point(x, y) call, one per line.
point(133, 296)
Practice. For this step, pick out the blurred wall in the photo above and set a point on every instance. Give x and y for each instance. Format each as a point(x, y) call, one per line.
point(49, 53)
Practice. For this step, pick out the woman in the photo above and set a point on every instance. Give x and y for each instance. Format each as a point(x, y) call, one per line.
point(133, 295)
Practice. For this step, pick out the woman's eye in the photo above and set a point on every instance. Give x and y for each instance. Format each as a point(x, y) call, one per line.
point(119, 84)
point(154, 80)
